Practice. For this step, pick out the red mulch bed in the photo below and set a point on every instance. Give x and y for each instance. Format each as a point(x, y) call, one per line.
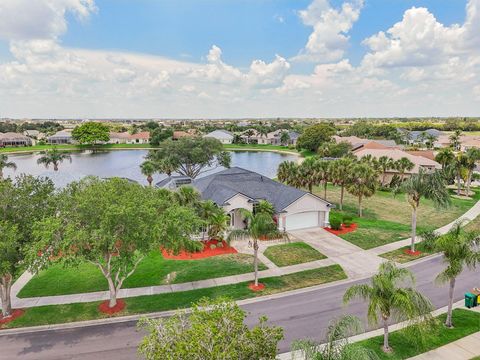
point(412, 253)
point(205, 253)
point(259, 287)
point(103, 307)
point(16, 313)
point(343, 229)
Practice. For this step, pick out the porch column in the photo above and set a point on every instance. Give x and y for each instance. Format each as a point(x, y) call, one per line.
point(327, 219)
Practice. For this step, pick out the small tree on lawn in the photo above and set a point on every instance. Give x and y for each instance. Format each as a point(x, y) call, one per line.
point(214, 330)
point(341, 175)
point(22, 204)
point(387, 298)
point(113, 224)
point(259, 226)
point(424, 185)
point(363, 183)
point(460, 249)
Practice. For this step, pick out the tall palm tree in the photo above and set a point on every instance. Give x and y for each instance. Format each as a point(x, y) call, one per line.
point(307, 174)
point(249, 133)
point(455, 140)
point(430, 141)
point(337, 346)
point(4, 163)
point(341, 171)
point(471, 157)
point(460, 249)
point(259, 226)
point(53, 157)
point(287, 173)
point(424, 185)
point(323, 174)
point(207, 210)
point(403, 165)
point(363, 183)
point(148, 168)
point(387, 298)
point(284, 138)
point(445, 157)
point(385, 163)
point(459, 164)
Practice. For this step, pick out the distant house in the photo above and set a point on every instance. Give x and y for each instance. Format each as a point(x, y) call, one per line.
point(275, 137)
point(359, 143)
point(416, 136)
point(61, 137)
point(127, 138)
point(420, 162)
point(236, 188)
point(225, 137)
point(14, 139)
point(178, 134)
point(35, 134)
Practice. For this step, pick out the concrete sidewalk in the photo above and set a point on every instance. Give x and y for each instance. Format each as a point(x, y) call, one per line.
point(463, 349)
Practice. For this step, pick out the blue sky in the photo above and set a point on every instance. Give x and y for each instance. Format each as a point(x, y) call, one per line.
point(239, 57)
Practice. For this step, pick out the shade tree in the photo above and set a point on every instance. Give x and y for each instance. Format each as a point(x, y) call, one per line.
point(91, 133)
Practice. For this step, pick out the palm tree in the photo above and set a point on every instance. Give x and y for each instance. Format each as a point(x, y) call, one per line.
point(187, 196)
point(53, 157)
point(4, 163)
point(337, 346)
point(148, 169)
point(218, 224)
point(259, 226)
point(460, 249)
point(430, 141)
point(387, 298)
point(323, 174)
point(445, 157)
point(403, 165)
point(287, 173)
point(207, 210)
point(284, 138)
point(363, 183)
point(459, 163)
point(455, 140)
point(341, 172)
point(264, 206)
point(249, 133)
point(471, 157)
point(424, 185)
point(307, 174)
point(385, 163)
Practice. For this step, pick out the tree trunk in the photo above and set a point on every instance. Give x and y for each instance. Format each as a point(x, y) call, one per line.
point(469, 181)
point(113, 293)
point(255, 260)
point(458, 182)
point(360, 212)
point(386, 345)
point(325, 190)
point(5, 289)
point(55, 167)
point(150, 180)
point(448, 321)
point(342, 190)
point(414, 228)
point(310, 186)
point(1, 173)
point(383, 178)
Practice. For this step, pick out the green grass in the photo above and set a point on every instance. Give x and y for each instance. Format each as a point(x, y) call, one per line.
point(151, 271)
point(466, 323)
point(386, 218)
point(55, 314)
point(401, 257)
point(292, 254)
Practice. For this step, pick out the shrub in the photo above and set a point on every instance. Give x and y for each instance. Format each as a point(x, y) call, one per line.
point(335, 224)
point(347, 220)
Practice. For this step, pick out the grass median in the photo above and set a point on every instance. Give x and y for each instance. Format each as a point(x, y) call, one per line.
point(466, 323)
point(55, 314)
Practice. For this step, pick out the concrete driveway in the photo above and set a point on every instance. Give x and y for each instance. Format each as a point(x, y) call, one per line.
point(356, 262)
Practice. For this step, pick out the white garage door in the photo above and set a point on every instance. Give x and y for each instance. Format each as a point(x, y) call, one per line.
point(302, 220)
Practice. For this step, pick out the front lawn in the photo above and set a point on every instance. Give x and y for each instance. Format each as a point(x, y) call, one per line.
point(153, 270)
point(401, 257)
point(292, 254)
point(55, 314)
point(387, 217)
point(466, 323)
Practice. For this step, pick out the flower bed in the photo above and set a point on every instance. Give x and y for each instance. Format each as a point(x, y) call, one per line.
point(207, 251)
point(104, 308)
point(16, 313)
point(343, 229)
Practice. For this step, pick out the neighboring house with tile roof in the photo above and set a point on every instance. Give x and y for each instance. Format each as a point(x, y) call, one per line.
point(224, 136)
point(236, 188)
point(127, 138)
point(14, 139)
point(420, 162)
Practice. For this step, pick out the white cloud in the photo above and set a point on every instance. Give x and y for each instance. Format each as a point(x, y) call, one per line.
point(264, 74)
point(329, 38)
point(33, 19)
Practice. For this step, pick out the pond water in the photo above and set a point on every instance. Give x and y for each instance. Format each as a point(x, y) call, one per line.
point(125, 163)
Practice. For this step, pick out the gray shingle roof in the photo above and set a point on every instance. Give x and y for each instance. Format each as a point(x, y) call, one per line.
point(222, 186)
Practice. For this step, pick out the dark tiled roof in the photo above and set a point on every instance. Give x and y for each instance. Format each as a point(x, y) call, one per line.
point(222, 186)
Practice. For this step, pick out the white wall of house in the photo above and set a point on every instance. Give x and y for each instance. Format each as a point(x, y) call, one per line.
point(308, 211)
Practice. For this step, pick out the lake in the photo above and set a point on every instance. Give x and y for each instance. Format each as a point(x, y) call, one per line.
point(125, 163)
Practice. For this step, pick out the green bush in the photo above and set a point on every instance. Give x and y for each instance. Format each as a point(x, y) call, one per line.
point(347, 220)
point(335, 224)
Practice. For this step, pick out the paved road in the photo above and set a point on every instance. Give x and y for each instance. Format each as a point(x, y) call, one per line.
point(304, 315)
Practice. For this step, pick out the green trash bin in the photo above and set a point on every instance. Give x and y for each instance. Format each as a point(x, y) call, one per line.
point(470, 300)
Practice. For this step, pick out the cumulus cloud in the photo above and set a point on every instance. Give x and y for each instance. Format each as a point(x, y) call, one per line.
point(329, 38)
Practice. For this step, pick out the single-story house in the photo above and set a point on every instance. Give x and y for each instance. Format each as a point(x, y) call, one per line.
point(14, 139)
point(35, 134)
point(417, 136)
point(178, 134)
point(359, 143)
point(420, 162)
point(127, 138)
point(224, 136)
point(236, 188)
point(274, 137)
point(61, 137)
